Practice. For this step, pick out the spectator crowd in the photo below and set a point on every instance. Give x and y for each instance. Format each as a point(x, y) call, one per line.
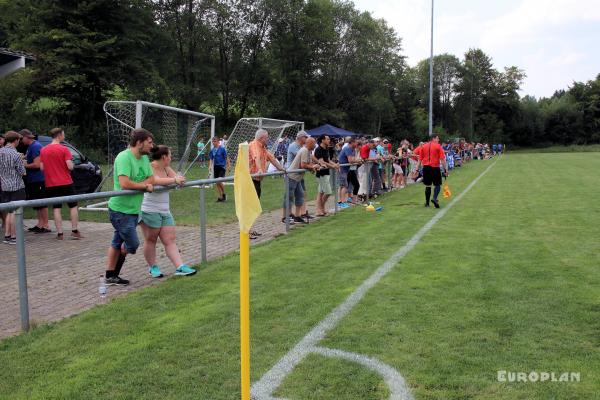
point(29, 171)
point(365, 167)
point(358, 168)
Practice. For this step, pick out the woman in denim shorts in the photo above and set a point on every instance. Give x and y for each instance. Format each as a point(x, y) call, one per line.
point(156, 220)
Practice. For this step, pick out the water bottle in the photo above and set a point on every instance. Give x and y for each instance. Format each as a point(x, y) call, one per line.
point(102, 288)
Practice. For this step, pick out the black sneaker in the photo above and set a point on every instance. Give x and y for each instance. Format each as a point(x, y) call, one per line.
point(224, 197)
point(116, 280)
point(220, 200)
point(6, 240)
point(299, 220)
point(426, 204)
point(35, 229)
point(307, 216)
point(436, 203)
point(290, 219)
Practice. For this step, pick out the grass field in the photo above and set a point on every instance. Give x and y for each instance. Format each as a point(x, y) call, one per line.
point(572, 148)
point(185, 204)
point(508, 279)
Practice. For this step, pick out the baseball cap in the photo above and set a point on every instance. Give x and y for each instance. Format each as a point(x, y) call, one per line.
point(301, 134)
point(26, 133)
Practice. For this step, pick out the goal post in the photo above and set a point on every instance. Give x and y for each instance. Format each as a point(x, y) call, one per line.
point(176, 128)
point(245, 130)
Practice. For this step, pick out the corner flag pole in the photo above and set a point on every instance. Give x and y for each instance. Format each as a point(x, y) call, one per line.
point(245, 314)
point(247, 209)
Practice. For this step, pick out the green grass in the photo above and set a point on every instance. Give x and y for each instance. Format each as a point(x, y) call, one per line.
point(507, 280)
point(185, 204)
point(573, 148)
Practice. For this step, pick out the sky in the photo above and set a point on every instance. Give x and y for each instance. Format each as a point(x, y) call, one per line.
point(555, 42)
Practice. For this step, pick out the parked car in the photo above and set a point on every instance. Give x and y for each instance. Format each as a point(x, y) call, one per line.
point(86, 174)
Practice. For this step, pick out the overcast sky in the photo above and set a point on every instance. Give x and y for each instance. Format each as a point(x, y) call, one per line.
point(556, 42)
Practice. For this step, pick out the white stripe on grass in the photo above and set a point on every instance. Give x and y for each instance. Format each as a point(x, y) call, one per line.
point(395, 381)
point(272, 379)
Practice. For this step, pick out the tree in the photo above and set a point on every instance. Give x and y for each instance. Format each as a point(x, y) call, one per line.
point(83, 49)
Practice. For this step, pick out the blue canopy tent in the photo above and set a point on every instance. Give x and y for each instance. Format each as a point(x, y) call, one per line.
point(331, 131)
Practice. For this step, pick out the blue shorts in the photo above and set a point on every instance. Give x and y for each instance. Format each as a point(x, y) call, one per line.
point(125, 231)
point(343, 178)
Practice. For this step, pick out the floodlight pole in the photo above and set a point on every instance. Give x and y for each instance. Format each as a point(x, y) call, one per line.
point(431, 77)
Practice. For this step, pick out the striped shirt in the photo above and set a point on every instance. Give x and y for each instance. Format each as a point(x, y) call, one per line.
point(12, 170)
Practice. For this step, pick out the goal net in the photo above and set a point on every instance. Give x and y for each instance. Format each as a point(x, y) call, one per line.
point(176, 128)
point(246, 128)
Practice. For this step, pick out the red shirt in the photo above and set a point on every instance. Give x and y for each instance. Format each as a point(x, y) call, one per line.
point(364, 151)
point(430, 154)
point(54, 157)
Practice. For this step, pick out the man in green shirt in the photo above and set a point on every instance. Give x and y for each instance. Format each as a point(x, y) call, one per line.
point(132, 171)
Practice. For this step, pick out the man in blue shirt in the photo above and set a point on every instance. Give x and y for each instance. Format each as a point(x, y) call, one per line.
point(34, 181)
point(219, 165)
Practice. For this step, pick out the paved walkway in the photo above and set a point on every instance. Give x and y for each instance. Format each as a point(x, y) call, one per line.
point(63, 277)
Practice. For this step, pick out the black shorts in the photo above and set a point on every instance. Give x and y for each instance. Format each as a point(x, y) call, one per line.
point(7, 197)
point(35, 190)
point(218, 171)
point(432, 175)
point(59, 191)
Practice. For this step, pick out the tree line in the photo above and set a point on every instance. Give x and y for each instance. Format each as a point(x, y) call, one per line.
point(318, 61)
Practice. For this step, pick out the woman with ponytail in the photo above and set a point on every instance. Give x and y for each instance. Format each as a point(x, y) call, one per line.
point(156, 219)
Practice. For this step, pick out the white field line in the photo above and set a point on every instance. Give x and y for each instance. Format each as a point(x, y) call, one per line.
point(272, 379)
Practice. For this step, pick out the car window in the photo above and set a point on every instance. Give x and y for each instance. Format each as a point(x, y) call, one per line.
point(76, 156)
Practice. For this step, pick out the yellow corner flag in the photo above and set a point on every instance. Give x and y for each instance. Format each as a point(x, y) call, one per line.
point(247, 205)
point(247, 209)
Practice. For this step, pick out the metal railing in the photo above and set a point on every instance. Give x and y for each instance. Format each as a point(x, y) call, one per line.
point(18, 206)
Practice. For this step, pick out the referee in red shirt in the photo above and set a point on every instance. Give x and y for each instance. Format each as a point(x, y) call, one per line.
point(430, 155)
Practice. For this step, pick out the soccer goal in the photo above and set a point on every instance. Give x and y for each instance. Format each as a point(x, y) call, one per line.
point(246, 128)
point(176, 128)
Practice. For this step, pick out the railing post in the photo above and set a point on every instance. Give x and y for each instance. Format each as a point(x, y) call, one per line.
point(286, 182)
point(23, 296)
point(203, 223)
point(335, 192)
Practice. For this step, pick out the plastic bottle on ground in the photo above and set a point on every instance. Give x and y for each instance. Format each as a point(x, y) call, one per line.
point(102, 289)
